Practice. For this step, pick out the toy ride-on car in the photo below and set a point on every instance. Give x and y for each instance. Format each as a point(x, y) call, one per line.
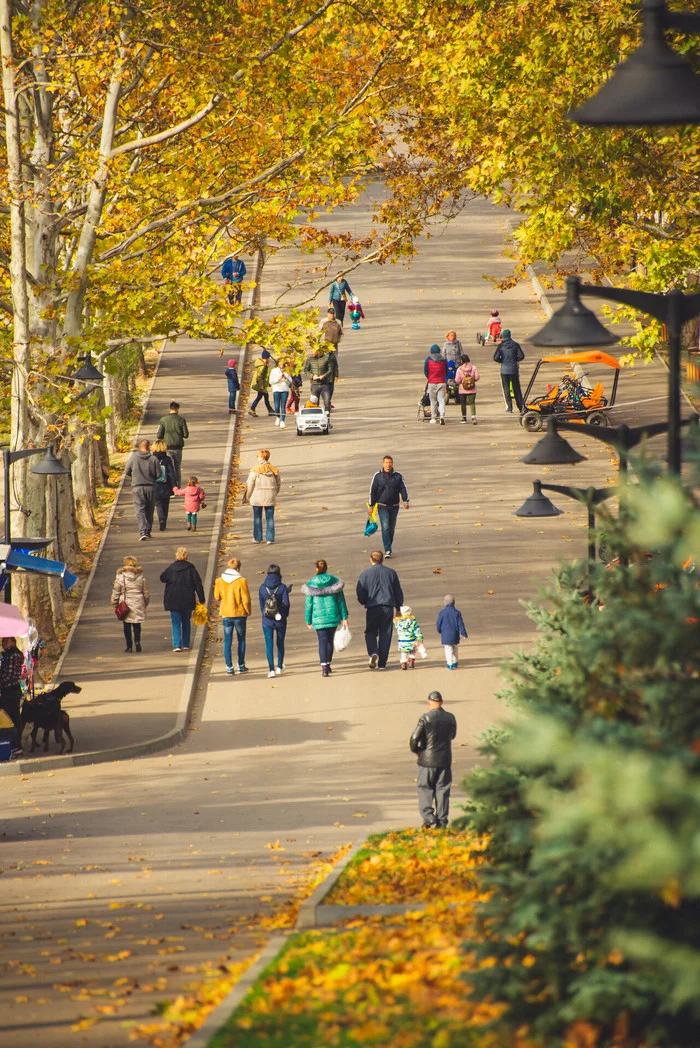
point(312, 420)
point(575, 396)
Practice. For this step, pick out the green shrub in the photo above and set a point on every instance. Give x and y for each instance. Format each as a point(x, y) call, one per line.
point(594, 862)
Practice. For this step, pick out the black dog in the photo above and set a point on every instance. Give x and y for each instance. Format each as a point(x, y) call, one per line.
point(44, 711)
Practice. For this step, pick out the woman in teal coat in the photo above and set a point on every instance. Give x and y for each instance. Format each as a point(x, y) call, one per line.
point(325, 611)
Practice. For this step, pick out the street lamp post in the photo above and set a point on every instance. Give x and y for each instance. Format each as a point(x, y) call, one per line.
point(49, 465)
point(551, 450)
point(655, 85)
point(674, 309)
point(538, 505)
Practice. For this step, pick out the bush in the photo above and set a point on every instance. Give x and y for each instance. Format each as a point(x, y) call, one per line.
point(591, 801)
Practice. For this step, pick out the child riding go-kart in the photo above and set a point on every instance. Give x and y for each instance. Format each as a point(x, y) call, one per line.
point(574, 397)
point(493, 329)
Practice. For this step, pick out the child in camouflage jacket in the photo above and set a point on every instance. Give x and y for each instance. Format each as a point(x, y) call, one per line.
point(410, 638)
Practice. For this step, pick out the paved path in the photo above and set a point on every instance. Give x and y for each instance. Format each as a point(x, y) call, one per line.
point(164, 856)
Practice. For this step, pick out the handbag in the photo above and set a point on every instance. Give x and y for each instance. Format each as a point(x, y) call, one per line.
point(199, 615)
point(121, 610)
point(342, 638)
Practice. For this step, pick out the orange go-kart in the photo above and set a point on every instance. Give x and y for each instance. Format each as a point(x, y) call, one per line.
point(570, 398)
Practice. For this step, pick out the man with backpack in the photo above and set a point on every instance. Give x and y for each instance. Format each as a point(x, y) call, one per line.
point(274, 605)
point(233, 271)
point(172, 428)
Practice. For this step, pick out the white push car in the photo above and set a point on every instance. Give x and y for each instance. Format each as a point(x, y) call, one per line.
point(312, 420)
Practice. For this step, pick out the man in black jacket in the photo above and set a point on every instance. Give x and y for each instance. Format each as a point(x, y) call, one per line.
point(386, 491)
point(508, 355)
point(432, 741)
point(379, 591)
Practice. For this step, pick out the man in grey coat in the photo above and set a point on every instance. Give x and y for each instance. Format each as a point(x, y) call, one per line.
point(432, 741)
point(379, 591)
point(143, 469)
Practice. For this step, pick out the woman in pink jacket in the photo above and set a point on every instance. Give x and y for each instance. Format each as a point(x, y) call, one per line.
point(466, 378)
point(194, 501)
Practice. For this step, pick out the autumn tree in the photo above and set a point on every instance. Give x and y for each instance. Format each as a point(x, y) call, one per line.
point(145, 143)
point(498, 80)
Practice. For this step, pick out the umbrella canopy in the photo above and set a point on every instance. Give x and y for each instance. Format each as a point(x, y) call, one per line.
point(11, 622)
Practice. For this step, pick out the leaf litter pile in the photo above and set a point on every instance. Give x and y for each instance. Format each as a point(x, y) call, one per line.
point(408, 866)
point(396, 981)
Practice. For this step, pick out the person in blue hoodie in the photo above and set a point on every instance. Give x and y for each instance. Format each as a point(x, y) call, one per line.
point(274, 605)
point(233, 385)
point(450, 626)
point(233, 271)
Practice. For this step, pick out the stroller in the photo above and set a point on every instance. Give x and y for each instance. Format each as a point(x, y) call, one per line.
point(424, 406)
point(452, 389)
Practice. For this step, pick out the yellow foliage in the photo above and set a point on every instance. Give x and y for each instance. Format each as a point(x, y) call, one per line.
point(411, 866)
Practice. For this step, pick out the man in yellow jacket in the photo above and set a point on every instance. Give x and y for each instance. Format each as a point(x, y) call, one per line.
point(232, 590)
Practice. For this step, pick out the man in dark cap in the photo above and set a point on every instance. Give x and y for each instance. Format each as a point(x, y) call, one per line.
point(509, 354)
point(432, 741)
point(435, 370)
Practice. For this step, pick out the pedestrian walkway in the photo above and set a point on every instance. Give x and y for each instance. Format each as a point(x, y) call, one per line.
point(179, 846)
point(129, 699)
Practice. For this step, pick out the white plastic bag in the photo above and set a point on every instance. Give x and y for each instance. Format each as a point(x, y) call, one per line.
point(342, 638)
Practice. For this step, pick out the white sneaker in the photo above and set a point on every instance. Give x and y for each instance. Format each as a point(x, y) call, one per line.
point(283, 425)
point(271, 674)
point(433, 421)
point(277, 422)
point(278, 671)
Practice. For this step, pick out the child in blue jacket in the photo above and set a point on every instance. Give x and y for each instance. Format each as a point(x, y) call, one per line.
point(450, 626)
point(233, 385)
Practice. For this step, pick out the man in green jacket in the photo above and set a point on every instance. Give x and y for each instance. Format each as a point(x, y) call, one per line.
point(323, 369)
point(172, 428)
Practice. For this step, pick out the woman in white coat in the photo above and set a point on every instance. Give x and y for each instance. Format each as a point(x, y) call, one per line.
point(131, 587)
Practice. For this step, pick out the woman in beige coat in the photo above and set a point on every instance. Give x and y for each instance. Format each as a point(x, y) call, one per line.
point(261, 491)
point(131, 587)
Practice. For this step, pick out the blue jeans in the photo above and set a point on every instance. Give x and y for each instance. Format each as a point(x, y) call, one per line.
point(387, 519)
point(280, 402)
point(181, 623)
point(231, 623)
point(269, 634)
point(269, 523)
point(232, 394)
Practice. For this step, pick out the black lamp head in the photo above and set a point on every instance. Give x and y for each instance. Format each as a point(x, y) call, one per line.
point(552, 450)
point(537, 504)
point(50, 465)
point(88, 372)
point(573, 324)
point(655, 85)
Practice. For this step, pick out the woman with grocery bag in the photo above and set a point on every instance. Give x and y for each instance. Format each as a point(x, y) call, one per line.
point(325, 610)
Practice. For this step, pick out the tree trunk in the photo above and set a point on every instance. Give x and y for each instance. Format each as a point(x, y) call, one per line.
point(20, 303)
point(68, 545)
point(82, 488)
